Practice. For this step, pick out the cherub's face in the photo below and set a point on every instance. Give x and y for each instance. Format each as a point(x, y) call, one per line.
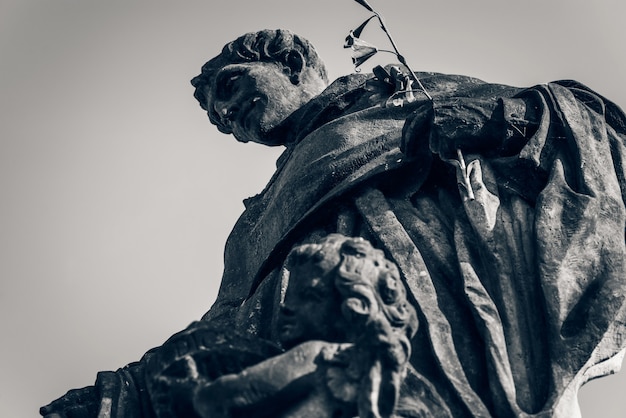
point(253, 98)
point(311, 309)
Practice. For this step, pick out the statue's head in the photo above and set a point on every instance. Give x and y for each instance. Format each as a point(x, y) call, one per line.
point(257, 81)
point(338, 289)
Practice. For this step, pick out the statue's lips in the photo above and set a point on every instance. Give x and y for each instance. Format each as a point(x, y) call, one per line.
point(249, 116)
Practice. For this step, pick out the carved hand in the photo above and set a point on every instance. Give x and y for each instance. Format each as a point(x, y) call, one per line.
point(76, 403)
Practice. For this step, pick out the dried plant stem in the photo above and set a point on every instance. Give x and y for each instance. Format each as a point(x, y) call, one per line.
point(400, 56)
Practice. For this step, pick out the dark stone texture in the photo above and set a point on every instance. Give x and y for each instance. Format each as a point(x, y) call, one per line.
point(502, 208)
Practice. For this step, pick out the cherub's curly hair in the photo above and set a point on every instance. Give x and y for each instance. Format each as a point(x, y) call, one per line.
point(369, 285)
point(262, 46)
point(379, 319)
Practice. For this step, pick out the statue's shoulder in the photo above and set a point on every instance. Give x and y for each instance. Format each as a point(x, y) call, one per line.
point(457, 85)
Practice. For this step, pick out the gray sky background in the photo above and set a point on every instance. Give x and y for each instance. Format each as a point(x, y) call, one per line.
point(117, 195)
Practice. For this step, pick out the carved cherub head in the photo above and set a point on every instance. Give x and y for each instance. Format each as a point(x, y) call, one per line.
point(341, 289)
point(257, 81)
point(347, 324)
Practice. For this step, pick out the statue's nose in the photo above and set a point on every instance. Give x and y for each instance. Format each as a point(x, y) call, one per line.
point(227, 110)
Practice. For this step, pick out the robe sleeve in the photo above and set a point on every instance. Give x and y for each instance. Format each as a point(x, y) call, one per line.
point(541, 246)
point(491, 126)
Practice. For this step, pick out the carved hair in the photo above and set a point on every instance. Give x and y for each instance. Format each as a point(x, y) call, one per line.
point(379, 319)
point(370, 287)
point(262, 46)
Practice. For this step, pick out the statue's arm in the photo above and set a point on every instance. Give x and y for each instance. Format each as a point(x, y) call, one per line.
point(271, 384)
point(491, 126)
point(122, 390)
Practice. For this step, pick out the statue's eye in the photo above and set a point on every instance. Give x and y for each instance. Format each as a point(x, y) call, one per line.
point(228, 84)
point(231, 82)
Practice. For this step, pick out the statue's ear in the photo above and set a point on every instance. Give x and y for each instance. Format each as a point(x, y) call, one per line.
point(294, 62)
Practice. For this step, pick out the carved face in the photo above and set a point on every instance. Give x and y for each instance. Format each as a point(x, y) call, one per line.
point(253, 98)
point(312, 307)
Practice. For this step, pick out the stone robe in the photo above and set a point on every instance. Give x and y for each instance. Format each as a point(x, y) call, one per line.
point(520, 287)
point(513, 258)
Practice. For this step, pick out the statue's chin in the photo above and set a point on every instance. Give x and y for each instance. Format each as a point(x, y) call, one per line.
point(267, 138)
point(262, 135)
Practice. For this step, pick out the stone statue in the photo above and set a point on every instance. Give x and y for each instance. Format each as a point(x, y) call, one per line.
point(502, 207)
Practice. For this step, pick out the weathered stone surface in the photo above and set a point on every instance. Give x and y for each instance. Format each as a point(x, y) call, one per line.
point(347, 323)
point(502, 207)
point(193, 357)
